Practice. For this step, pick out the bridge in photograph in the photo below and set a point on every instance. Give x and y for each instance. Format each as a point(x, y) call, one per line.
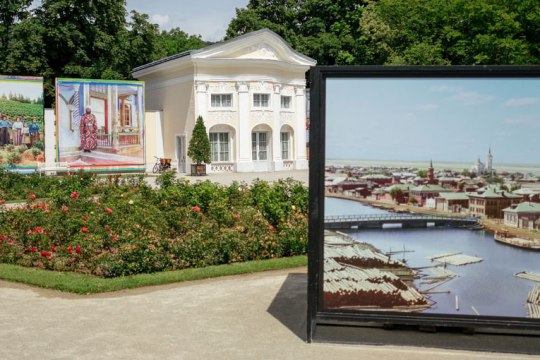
point(345, 222)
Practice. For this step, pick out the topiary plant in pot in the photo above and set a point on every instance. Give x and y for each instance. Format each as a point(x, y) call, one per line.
point(199, 148)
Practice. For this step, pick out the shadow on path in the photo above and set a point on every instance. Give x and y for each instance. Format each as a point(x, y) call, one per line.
point(290, 304)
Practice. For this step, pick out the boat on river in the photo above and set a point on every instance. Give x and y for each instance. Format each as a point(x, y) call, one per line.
point(517, 242)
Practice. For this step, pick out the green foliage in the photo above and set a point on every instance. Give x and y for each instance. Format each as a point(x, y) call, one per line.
point(458, 32)
point(326, 30)
point(15, 108)
point(396, 193)
point(120, 226)
point(11, 11)
point(421, 173)
point(166, 179)
point(40, 145)
point(400, 32)
point(35, 151)
point(14, 158)
point(199, 145)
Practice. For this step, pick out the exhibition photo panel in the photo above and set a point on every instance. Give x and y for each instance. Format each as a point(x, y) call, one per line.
point(100, 124)
point(431, 196)
point(22, 140)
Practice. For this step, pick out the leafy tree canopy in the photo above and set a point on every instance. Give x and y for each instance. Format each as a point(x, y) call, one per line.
point(396, 32)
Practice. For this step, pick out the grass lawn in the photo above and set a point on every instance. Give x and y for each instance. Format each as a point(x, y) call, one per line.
point(88, 284)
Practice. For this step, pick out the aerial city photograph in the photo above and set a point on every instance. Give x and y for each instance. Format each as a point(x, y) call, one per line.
point(432, 198)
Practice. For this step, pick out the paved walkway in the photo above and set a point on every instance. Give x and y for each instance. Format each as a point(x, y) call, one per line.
point(256, 316)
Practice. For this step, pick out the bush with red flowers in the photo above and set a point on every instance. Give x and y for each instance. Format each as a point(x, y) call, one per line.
point(91, 225)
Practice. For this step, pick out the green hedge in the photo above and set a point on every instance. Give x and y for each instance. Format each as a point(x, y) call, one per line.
point(111, 227)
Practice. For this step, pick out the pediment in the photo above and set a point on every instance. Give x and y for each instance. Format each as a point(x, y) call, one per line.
point(263, 45)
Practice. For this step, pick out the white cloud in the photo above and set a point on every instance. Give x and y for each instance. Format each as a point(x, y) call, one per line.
point(161, 20)
point(524, 120)
point(461, 95)
point(428, 107)
point(472, 98)
point(445, 88)
point(522, 101)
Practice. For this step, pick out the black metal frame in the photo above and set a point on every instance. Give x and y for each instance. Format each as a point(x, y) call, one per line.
point(317, 315)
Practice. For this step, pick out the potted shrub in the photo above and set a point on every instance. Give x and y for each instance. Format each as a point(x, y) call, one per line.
point(199, 148)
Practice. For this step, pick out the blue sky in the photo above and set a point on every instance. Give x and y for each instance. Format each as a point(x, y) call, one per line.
point(439, 119)
point(208, 18)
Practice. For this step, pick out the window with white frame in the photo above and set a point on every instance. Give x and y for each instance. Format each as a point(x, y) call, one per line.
point(285, 102)
point(261, 100)
point(259, 146)
point(221, 100)
point(285, 145)
point(219, 146)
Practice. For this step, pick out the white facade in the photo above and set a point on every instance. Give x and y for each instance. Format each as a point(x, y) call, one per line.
point(251, 93)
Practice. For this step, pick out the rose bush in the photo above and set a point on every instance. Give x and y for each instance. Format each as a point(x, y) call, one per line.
point(111, 226)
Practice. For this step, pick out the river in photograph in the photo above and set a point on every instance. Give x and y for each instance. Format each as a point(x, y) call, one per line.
point(490, 287)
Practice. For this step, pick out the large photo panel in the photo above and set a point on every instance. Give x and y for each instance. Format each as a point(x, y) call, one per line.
point(21, 123)
point(432, 197)
point(100, 124)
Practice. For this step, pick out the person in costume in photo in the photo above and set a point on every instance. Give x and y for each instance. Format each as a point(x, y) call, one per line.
point(10, 130)
point(89, 131)
point(33, 129)
point(26, 134)
point(17, 131)
point(4, 130)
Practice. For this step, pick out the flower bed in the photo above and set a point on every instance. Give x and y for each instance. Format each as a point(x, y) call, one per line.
point(110, 227)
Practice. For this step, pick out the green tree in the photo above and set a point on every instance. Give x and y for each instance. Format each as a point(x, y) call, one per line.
point(421, 173)
point(26, 52)
point(176, 41)
point(11, 11)
point(325, 30)
point(199, 145)
point(396, 193)
point(450, 32)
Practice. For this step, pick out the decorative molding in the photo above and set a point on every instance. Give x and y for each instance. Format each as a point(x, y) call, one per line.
point(261, 86)
point(242, 87)
point(300, 91)
point(277, 88)
point(259, 51)
point(222, 117)
point(222, 87)
point(288, 118)
point(201, 87)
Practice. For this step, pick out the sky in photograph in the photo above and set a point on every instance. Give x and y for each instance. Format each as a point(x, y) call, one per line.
point(208, 18)
point(433, 119)
point(30, 89)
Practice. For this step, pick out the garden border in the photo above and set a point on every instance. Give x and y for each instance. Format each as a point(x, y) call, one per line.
point(88, 284)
